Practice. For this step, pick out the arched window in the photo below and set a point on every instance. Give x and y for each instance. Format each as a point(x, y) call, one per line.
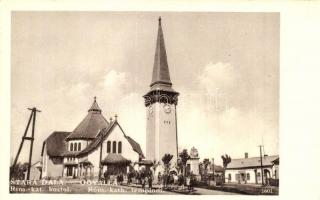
point(75, 147)
point(248, 176)
point(114, 147)
point(108, 147)
point(71, 147)
point(119, 147)
point(79, 146)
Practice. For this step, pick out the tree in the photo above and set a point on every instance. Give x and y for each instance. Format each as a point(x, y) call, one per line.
point(18, 171)
point(184, 157)
point(226, 160)
point(166, 161)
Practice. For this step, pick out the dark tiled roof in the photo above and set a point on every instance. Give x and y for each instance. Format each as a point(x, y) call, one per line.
point(251, 162)
point(145, 162)
point(160, 73)
point(100, 137)
point(95, 106)
point(113, 158)
point(104, 133)
point(90, 126)
point(135, 146)
point(56, 144)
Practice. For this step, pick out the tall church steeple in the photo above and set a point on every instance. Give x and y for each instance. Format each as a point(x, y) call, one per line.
point(161, 74)
point(161, 101)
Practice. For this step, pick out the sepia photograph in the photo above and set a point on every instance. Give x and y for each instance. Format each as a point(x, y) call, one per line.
point(145, 103)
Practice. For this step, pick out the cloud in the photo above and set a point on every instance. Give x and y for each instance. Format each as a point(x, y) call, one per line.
point(219, 75)
point(113, 80)
point(215, 124)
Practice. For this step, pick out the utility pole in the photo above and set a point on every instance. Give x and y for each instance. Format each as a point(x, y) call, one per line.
point(24, 137)
point(260, 146)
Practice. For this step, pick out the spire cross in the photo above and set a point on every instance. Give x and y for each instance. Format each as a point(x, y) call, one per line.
point(95, 98)
point(159, 20)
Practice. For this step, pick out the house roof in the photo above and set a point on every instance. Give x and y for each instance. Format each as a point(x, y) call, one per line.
point(113, 158)
point(90, 126)
point(56, 144)
point(104, 133)
point(251, 162)
point(218, 168)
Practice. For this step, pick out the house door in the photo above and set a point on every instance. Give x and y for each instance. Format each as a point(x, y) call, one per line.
point(242, 177)
point(69, 170)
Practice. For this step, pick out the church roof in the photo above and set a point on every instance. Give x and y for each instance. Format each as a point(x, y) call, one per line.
point(56, 144)
point(90, 126)
point(160, 73)
point(251, 162)
point(103, 134)
point(113, 158)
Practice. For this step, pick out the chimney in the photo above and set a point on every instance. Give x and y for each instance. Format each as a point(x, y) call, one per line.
point(246, 155)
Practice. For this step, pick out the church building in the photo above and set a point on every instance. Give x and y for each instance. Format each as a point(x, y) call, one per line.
point(96, 145)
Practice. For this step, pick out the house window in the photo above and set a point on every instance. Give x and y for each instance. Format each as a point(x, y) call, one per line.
point(229, 177)
point(71, 147)
point(75, 147)
point(119, 147)
point(108, 147)
point(79, 146)
point(248, 176)
point(114, 147)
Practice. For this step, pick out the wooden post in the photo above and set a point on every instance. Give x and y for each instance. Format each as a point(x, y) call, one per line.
point(32, 115)
point(31, 140)
point(21, 144)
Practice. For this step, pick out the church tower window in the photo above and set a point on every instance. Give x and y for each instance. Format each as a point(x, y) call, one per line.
point(75, 147)
point(71, 147)
point(79, 146)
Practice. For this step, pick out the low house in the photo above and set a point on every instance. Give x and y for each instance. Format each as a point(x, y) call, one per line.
point(248, 170)
point(92, 148)
point(35, 171)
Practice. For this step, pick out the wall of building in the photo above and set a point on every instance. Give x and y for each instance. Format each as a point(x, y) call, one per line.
point(84, 144)
point(161, 133)
point(275, 171)
point(252, 172)
point(50, 169)
point(150, 136)
point(115, 135)
point(194, 166)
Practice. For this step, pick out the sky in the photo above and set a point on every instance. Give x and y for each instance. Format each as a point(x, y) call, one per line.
point(224, 65)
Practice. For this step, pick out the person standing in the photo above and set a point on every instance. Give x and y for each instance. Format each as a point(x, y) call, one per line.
point(150, 179)
point(188, 182)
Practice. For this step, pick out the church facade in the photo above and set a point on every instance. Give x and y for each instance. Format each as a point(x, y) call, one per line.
point(95, 146)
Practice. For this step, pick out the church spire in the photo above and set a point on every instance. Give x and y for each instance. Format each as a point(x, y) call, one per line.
point(94, 106)
point(160, 73)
